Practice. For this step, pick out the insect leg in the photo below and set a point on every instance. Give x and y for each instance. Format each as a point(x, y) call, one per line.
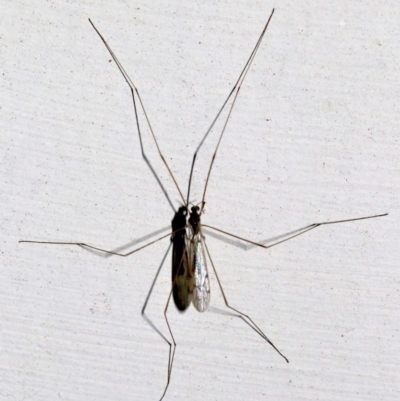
point(151, 290)
point(84, 245)
point(293, 234)
point(247, 319)
point(134, 90)
point(152, 325)
point(172, 347)
point(235, 90)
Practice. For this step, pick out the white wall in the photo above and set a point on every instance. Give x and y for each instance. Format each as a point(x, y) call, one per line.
point(313, 137)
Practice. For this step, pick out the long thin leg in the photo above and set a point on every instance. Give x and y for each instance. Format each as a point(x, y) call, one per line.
point(292, 234)
point(133, 91)
point(236, 88)
point(172, 347)
point(145, 157)
point(242, 315)
point(83, 245)
point(137, 241)
point(154, 282)
point(152, 325)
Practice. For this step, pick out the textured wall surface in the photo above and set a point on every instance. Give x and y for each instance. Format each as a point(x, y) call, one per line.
point(314, 136)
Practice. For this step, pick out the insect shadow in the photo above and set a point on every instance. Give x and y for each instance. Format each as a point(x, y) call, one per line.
point(190, 279)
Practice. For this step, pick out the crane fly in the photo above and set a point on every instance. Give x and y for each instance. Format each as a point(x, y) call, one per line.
point(190, 279)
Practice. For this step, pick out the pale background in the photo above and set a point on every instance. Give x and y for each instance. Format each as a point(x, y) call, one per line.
point(314, 137)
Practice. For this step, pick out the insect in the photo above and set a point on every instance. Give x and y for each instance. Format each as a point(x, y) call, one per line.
point(190, 278)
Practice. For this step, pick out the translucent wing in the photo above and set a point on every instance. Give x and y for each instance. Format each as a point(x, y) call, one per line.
point(200, 281)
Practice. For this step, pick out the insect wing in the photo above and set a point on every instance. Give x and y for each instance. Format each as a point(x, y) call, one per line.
point(200, 281)
point(181, 274)
point(181, 277)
